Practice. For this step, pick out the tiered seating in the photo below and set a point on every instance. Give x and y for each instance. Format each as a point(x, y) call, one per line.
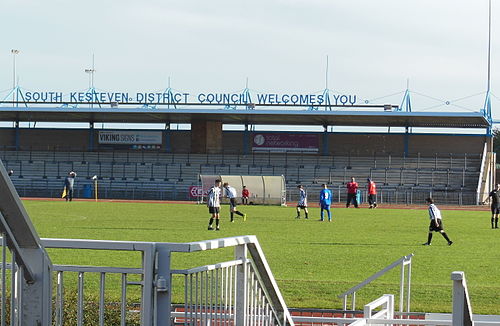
point(157, 175)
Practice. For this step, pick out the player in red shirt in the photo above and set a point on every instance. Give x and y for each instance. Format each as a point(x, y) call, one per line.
point(352, 191)
point(244, 195)
point(372, 193)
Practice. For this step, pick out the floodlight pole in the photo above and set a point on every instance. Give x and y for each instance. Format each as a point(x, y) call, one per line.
point(15, 86)
point(14, 53)
point(91, 88)
point(489, 47)
point(487, 101)
point(326, 92)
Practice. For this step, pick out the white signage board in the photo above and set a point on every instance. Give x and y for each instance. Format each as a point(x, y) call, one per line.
point(126, 137)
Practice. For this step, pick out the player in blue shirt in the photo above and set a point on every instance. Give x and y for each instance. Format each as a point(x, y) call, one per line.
point(325, 200)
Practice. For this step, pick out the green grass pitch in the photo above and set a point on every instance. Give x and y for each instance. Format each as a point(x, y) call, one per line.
point(312, 261)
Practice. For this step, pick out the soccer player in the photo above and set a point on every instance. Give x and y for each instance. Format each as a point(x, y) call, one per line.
point(325, 200)
point(495, 205)
point(213, 204)
point(436, 224)
point(302, 203)
point(244, 195)
point(230, 193)
point(352, 190)
point(372, 193)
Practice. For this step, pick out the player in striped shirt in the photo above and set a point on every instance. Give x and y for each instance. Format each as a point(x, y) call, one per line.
point(230, 193)
point(436, 224)
point(213, 204)
point(302, 203)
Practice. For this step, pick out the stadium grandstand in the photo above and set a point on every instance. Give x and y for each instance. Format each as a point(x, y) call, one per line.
point(165, 164)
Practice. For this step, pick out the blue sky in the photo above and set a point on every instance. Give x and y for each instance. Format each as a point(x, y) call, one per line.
point(280, 46)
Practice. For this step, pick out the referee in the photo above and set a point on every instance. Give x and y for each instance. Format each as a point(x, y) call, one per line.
point(495, 206)
point(436, 224)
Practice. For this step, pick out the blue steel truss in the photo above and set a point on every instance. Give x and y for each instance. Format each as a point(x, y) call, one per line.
point(170, 95)
point(486, 111)
point(16, 93)
point(327, 102)
point(247, 100)
point(406, 102)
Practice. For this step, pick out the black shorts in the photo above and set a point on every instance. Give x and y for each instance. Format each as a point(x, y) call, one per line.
point(433, 227)
point(232, 203)
point(302, 206)
point(495, 210)
point(352, 197)
point(213, 210)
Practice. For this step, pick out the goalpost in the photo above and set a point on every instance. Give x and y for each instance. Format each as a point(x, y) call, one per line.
point(264, 190)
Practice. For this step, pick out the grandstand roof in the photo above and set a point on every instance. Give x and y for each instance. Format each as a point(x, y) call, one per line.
point(344, 117)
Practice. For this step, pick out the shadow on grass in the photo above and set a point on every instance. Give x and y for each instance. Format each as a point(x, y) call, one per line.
point(111, 228)
point(350, 244)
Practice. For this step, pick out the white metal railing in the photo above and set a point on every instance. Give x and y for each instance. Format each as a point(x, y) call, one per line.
point(238, 292)
point(381, 312)
point(211, 296)
point(28, 272)
point(126, 279)
point(404, 285)
point(385, 304)
point(462, 311)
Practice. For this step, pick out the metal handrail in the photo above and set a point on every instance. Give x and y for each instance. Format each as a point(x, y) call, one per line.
point(247, 243)
point(403, 261)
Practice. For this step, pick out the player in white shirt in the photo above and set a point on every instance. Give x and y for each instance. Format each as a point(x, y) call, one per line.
point(213, 204)
point(302, 203)
point(230, 193)
point(436, 224)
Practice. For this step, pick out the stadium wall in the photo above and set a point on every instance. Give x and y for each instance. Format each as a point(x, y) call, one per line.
point(184, 141)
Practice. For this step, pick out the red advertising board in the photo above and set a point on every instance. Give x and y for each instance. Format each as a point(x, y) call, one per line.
point(283, 142)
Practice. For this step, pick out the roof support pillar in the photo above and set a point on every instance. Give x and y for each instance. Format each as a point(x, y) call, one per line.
point(325, 140)
point(246, 139)
point(406, 141)
point(91, 136)
point(206, 137)
point(168, 144)
point(17, 135)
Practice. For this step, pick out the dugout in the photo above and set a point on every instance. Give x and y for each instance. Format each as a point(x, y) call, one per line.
point(264, 190)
